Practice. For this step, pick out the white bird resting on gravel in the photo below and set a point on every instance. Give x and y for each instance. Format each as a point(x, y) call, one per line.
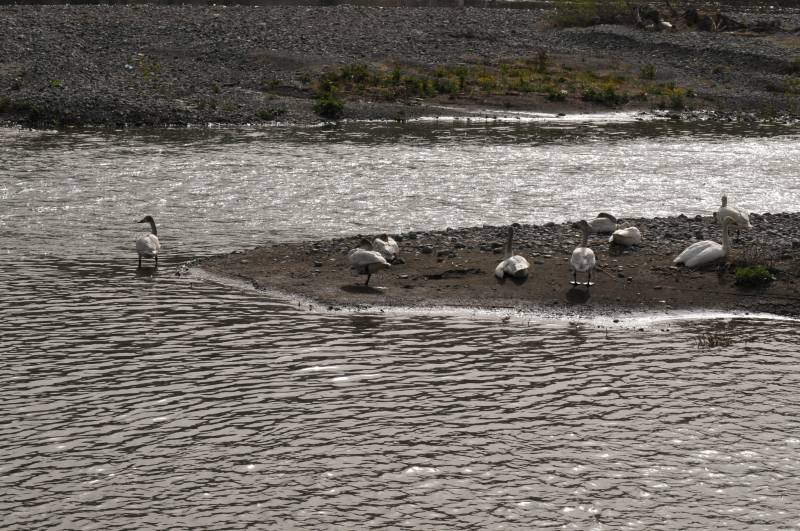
point(706, 251)
point(512, 265)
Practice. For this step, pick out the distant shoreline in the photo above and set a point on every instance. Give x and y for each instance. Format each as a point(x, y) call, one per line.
point(454, 268)
point(160, 65)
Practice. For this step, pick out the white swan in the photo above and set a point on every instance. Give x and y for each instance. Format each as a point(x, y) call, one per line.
point(148, 245)
point(706, 251)
point(386, 245)
point(604, 223)
point(740, 216)
point(513, 266)
point(583, 258)
point(627, 236)
point(363, 261)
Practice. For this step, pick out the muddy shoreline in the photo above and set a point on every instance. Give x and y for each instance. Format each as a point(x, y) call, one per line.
point(155, 65)
point(455, 268)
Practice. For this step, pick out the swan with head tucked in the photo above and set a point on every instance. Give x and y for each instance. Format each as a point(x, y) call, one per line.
point(583, 259)
point(604, 223)
point(148, 245)
point(513, 265)
point(740, 216)
point(364, 261)
point(626, 237)
point(706, 251)
point(388, 248)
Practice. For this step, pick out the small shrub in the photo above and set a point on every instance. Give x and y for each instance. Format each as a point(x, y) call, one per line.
point(556, 95)
point(270, 114)
point(753, 276)
point(541, 61)
point(647, 72)
point(56, 83)
point(215, 88)
point(607, 95)
point(329, 107)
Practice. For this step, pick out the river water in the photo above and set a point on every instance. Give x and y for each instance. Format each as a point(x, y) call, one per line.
point(133, 400)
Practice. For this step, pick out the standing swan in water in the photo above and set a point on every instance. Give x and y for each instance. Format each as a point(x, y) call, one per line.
point(148, 245)
point(704, 252)
point(582, 259)
point(513, 266)
point(364, 261)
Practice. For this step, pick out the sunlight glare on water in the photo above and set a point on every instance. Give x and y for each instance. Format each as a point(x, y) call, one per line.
point(154, 402)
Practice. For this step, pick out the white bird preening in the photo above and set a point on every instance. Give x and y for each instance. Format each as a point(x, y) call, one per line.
point(388, 248)
point(627, 236)
point(740, 216)
point(512, 265)
point(364, 261)
point(604, 223)
point(706, 251)
point(148, 245)
point(583, 259)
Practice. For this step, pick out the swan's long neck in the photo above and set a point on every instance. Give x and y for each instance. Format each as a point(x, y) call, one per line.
point(724, 200)
point(584, 236)
point(153, 227)
point(726, 242)
point(507, 250)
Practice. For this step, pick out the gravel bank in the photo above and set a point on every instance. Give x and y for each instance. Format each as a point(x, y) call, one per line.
point(146, 65)
point(456, 268)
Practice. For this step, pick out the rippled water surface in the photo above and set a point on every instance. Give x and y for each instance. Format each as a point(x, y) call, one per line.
point(133, 400)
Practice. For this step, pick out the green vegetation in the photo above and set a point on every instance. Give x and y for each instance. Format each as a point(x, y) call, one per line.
point(647, 72)
point(269, 115)
point(532, 76)
point(328, 105)
point(583, 13)
point(56, 83)
point(606, 95)
point(753, 276)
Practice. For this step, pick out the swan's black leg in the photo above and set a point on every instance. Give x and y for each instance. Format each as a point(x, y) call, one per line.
point(367, 282)
point(574, 277)
point(140, 261)
point(156, 259)
point(589, 278)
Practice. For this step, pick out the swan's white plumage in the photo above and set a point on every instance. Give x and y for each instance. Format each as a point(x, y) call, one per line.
point(603, 223)
point(148, 245)
point(583, 259)
point(706, 251)
point(627, 236)
point(740, 216)
point(363, 261)
point(512, 265)
point(387, 247)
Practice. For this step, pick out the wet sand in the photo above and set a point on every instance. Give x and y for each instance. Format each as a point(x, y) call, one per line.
point(456, 268)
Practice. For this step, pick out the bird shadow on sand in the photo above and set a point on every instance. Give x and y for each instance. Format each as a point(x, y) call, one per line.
point(578, 294)
point(360, 288)
point(514, 280)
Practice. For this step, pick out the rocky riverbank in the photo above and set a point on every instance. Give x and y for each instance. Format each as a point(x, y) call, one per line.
point(455, 267)
point(150, 65)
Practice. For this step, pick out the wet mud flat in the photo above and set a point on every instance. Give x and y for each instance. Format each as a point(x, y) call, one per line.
point(455, 267)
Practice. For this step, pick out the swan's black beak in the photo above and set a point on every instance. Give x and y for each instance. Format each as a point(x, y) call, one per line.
point(142, 221)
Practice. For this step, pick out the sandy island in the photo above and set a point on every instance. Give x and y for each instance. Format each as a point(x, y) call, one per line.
point(455, 268)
